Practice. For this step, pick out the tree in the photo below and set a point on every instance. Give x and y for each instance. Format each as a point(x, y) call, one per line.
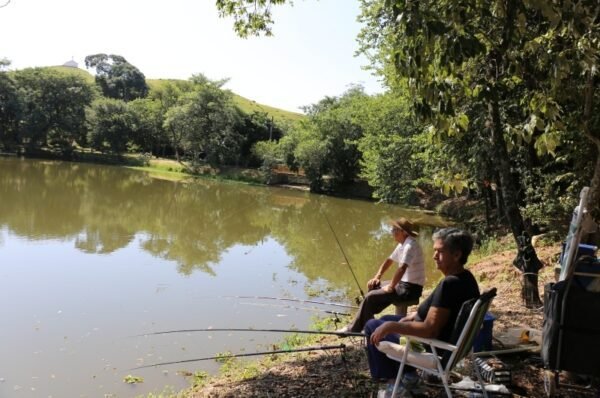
point(325, 144)
point(456, 55)
point(111, 125)
point(391, 148)
point(116, 77)
point(148, 133)
point(250, 17)
point(204, 125)
point(468, 57)
point(335, 121)
point(256, 127)
point(53, 107)
point(529, 68)
point(567, 58)
point(10, 107)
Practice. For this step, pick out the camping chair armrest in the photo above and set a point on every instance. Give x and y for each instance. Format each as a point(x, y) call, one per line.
point(432, 342)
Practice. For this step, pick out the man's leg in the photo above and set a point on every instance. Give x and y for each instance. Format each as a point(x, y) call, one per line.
point(380, 365)
point(375, 301)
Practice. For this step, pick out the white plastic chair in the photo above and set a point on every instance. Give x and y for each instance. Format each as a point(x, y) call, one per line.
point(443, 356)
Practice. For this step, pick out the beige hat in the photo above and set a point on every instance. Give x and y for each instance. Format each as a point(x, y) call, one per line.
point(405, 225)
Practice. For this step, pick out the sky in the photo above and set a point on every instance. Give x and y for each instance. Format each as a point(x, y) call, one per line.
point(310, 56)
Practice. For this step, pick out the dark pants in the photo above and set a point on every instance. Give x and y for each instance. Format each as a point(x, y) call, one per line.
point(380, 365)
point(377, 300)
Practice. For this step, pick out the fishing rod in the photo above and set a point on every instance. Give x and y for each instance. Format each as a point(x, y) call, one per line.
point(362, 294)
point(292, 299)
point(318, 348)
point(298, 308)
point(341, 334)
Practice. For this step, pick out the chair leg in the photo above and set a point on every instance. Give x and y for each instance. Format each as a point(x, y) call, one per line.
point(444, 378)
point(479, 377)
point(398, 378)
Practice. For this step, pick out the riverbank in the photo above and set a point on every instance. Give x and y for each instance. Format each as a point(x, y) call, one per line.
point(346, 374)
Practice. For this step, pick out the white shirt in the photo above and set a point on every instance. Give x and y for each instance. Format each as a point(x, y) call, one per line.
point(410, 253)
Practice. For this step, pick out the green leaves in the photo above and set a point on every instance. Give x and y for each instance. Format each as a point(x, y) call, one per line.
point(116, 77)
point(251, 17)
point(129, 379)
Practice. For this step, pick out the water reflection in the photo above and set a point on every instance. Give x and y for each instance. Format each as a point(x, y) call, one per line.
point(91, 254)
point(102, 208)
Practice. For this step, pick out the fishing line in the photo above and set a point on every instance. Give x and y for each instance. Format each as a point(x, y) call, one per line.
point(225, 357)
point(344, 334)
point(291, 299)
point(362, 294)
point(286, 306)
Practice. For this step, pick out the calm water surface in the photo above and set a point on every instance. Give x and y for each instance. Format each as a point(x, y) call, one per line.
point(93, 256)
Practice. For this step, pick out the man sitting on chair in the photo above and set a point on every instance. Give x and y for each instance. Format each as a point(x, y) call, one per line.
point(436, 316)
point(407, 282)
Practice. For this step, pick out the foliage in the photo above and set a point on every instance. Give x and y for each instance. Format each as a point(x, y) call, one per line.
point(199, 378)
point(311, 154)
point(10, 107)
point(325, 145)
point(147, 133)
point(55, 104)
point(129, 379)
point(256, 127)
point(269, 152)
point(116, 77)
point(250, 17)
point(111, 125)
point(390, 148)
point(203, 125)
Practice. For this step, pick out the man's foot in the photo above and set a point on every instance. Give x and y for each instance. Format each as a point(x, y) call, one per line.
point(386, 392)
point(342, 331)
point(411, 380)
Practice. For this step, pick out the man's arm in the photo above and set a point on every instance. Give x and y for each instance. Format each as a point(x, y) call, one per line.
point(397, 276)
point(430, 328)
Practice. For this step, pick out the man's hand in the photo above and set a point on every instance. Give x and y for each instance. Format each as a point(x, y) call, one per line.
point(382, 330)
point(409, 317)
point(373, 284)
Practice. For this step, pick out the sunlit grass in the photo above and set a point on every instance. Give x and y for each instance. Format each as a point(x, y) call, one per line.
point(490, 246)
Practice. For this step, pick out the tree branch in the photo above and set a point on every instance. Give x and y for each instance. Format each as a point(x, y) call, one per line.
point(588, 107)
point(5, 4)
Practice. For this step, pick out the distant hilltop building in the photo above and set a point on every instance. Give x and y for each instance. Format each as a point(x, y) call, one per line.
point(71, 64)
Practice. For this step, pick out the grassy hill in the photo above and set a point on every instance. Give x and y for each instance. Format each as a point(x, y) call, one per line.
point(246, 105)
point(249, 106)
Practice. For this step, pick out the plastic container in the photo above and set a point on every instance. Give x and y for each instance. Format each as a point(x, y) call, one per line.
point(483, 341)
point(591, 267)
point(583, 250)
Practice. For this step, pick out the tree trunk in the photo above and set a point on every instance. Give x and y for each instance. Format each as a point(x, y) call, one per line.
point(526, 261)
point(500, 214)
point(594, 193)
point(486, 200)
point(588, 108)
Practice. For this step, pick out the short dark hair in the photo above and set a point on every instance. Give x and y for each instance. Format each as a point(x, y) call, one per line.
point(456, 240)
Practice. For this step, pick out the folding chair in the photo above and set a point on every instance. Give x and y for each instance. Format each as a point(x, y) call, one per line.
point(443, 356)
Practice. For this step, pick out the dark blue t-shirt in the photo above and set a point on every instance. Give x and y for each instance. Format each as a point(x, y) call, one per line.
point(450, 294)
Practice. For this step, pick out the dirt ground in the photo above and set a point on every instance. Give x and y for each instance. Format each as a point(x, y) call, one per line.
point(346, 374)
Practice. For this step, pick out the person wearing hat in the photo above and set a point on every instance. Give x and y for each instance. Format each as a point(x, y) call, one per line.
point(407, 282)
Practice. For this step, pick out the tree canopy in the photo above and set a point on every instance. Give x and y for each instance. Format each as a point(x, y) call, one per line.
point(116, 77)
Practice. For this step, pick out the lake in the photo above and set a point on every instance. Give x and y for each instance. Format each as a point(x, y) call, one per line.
point(94, 258)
